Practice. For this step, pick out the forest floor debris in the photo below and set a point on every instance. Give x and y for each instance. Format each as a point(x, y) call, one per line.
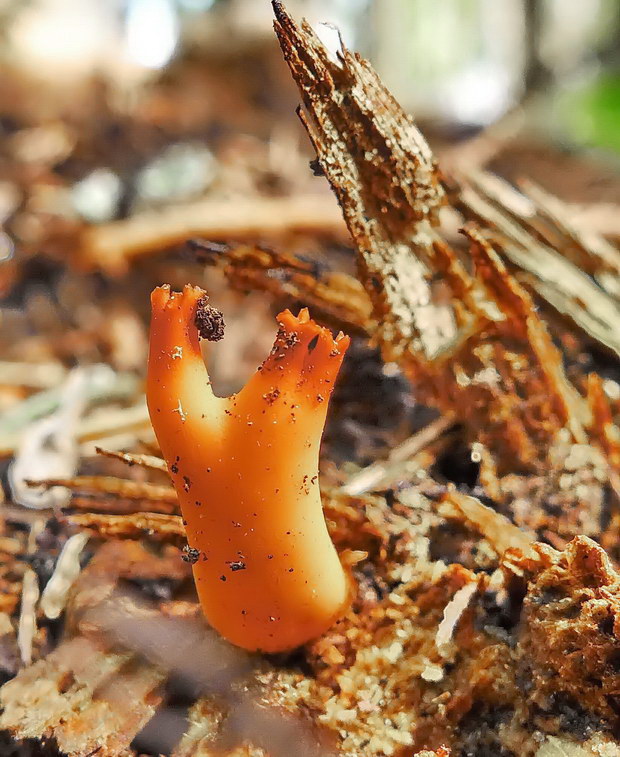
point(476, 464)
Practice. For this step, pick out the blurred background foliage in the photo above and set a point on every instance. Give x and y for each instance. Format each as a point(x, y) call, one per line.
point(459, 64)
point(469, 60)
point(465, 62)
point(473, 61)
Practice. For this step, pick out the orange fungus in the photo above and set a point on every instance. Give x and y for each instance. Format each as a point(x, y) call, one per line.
point(245, 469)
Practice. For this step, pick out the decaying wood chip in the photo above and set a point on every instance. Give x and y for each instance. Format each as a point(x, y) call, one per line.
point(499, 531)
point(251, 729)
point(479, 346)
point(570, 627)
point(89, 700)
point(121, 560)
point(85, 696)
point(66, 571)
point(240, 710)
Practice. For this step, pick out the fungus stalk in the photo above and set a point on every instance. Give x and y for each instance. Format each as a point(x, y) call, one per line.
point(245, 469)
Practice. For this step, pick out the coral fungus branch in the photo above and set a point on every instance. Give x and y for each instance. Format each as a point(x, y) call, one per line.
point(245, 469)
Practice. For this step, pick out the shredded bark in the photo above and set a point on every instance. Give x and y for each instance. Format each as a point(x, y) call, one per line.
point(333, 296)
point(385, 179)
point(575, 273)
point(473, 359)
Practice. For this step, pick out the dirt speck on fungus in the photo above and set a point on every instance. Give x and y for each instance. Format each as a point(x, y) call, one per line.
point(209, 321)
point(190, 554)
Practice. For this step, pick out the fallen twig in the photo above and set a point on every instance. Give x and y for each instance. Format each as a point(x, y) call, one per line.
point(144, 461)
point(110, 486)
point(112, 246)
point(136, 525)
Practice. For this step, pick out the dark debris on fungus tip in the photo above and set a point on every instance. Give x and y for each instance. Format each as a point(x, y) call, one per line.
point(209, 321)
